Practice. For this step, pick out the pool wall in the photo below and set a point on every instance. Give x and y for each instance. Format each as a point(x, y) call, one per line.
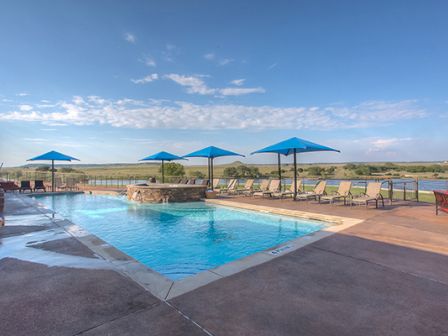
point(165, 193)
point(166, 289)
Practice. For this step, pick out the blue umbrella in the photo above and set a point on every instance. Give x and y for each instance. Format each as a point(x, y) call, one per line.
point(162, 156)
point(53, 156)
point(211, 153)
point(294, 146)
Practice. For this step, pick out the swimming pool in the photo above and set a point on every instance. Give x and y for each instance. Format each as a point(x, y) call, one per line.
point(178, 239)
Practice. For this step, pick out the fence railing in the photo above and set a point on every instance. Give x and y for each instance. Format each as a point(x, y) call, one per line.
point(392, 189)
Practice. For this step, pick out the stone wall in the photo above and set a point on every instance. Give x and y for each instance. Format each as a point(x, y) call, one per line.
point(160, 193)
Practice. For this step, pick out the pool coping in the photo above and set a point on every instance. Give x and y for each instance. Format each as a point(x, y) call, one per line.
point(166, 289)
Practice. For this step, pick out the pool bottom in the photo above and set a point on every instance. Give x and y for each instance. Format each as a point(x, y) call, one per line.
point(181, 239)
point(166, 289)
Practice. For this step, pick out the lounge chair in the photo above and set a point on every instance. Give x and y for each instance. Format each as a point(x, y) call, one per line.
point(248, 187)
point(317, 193)
point(290, 191)
point(216, 183)
point(183, 181)
point(39, 185)
point(343, 192)
point(373, 193)
point(231, 187)
point(70, 184)
point(264, 186)
point(57, 183)
point(204, 182)
point(191, 181)
point(441, 201)
point(9, 186)
point(25, 185)
point(274, 187)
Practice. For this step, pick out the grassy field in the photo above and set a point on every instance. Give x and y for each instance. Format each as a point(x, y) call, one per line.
point(338, 170)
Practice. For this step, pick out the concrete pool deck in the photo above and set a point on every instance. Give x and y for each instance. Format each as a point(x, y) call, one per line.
point(386, 275)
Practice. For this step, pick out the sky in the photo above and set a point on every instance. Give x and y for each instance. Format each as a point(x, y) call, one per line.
point(115, 81)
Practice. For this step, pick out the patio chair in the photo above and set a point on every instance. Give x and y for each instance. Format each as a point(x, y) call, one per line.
point(204, 182)
point(191, 181)
point(57, 183)
point(343, 192)
point(248, 187)
point(9, 186)
point(25, 185)
point(290, 191)
point(215, 183)
point(441, 201)
point(231, 187)
point(264, 186)
point(183, 181)
point(39, 185)
point(274, 187)
point(70, 184)
point(317, 193)
point(373, 193)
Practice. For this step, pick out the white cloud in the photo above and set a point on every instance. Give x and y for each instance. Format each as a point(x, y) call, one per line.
point(226, 61)
point(240, 91)
point(149, 61)
point(212, 57)
point(381, 144)
point(209, 56)
point(35, 140)
point(151, 114)
point(130, 38)
point(25, 108)
point(196, 85)
point(238, 82)
point(146, 79)
point(22, 94)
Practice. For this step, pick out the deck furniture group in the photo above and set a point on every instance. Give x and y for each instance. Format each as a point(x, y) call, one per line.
point(273, 189)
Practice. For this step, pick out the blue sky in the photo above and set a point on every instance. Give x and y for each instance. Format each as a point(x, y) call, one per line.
point(114, 81)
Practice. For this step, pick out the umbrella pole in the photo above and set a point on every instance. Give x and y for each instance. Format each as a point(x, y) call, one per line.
point(52, 175)
point(163, 173)
point(208, 167)
point(295, 173)
point(279, 171)
point(211, 170)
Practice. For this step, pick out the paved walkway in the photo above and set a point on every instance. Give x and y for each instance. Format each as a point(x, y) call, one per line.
point(385, 276)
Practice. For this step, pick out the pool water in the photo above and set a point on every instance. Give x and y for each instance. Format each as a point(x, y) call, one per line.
point(178, 239)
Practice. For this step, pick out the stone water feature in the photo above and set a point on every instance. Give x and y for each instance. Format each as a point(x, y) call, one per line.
point(165, 193)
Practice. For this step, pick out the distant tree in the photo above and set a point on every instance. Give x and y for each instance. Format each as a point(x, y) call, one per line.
point(299, 170)
point(230, 172)
point(315, 171)
point(43, 168)
point(69, 170)
point(198, 174)
point(242, 171)
point(173, 169)
point(350, 166)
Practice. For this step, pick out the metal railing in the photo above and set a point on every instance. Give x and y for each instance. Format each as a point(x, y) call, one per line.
point(393, 189)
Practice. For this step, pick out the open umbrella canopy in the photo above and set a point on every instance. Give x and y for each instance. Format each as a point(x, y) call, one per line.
point(294, 145)
point(162, 156)
point(53, 156)
point(212, 152)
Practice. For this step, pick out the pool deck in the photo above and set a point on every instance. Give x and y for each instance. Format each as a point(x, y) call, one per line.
point(387, 275)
